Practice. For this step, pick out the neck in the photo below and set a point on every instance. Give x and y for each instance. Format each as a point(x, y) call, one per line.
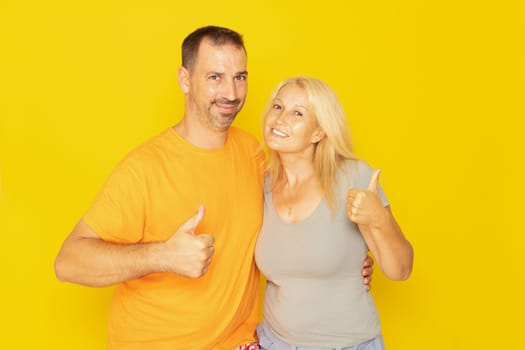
point(199, 135)
point(297, 171)
point(298, 192)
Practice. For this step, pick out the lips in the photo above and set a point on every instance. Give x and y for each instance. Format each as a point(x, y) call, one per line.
point(227, 107)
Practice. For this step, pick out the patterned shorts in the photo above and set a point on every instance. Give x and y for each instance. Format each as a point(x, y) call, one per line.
point(251, 346)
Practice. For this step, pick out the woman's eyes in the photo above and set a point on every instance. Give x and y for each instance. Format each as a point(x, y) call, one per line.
point(279, 107)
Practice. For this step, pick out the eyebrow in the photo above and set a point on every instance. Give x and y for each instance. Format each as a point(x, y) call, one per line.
point(222, 73)
point(277, 99)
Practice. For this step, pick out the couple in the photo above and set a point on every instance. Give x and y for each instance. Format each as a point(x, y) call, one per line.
point(189, 281)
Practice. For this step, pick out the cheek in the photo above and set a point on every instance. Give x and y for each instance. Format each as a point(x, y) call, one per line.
point(303, 132)
point(211, 90)
point(242, 90)
point(267, 126)
point(266, 129)
point(268, 119)
point(299, 128)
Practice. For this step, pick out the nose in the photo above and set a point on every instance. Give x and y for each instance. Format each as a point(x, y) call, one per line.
point(229, 90)
point(281, 117)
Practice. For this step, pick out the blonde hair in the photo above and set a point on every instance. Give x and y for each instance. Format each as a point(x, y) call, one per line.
point(333, 149)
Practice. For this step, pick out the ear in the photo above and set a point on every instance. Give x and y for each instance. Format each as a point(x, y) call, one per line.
point(318, 135)
point(184, 79)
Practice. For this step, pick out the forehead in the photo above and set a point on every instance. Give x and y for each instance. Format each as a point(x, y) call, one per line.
point(221, 58)
point(293, 94)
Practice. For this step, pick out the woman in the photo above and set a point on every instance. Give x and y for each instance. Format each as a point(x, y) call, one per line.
point(323, 211)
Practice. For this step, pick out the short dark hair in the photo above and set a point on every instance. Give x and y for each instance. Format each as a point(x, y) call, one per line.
point(217, 35)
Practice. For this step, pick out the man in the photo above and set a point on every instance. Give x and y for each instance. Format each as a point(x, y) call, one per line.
point(175, 224)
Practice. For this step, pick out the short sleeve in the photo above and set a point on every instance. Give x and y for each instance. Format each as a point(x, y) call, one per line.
point(118, 212)
point(364, 173)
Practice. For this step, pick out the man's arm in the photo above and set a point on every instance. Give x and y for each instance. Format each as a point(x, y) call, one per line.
point(367, 271)
point(87, 259)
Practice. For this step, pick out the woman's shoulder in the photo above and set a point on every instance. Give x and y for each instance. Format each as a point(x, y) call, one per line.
point(355, 172)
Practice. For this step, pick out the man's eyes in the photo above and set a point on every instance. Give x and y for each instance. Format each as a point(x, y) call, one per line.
point(237, 77)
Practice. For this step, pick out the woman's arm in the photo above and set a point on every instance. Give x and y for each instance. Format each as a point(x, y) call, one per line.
point(381, 232)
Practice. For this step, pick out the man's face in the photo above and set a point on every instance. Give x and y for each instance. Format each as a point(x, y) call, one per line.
point(217, 85)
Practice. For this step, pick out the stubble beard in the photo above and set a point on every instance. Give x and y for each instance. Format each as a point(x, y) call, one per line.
point(220, 121)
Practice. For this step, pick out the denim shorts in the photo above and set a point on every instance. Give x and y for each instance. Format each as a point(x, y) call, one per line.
point(269, 341)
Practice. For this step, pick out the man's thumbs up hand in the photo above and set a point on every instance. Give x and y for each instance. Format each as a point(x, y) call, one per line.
point(186, 253)
point(191, 224)
point(364, 207)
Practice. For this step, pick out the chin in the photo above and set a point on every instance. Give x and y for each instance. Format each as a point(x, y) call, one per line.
point(274, 146)
point(223, 122)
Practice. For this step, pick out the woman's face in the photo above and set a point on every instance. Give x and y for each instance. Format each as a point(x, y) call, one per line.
point(291, 126)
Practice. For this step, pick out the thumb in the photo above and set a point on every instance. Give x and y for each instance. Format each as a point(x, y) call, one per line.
point(374, 181)
point(192, 223)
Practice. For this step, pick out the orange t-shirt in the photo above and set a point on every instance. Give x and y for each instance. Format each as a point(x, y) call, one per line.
point(151, 192)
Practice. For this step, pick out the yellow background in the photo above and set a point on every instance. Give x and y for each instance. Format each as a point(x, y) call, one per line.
point(432, 90)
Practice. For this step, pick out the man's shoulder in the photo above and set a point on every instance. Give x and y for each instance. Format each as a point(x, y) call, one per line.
point(147, 151)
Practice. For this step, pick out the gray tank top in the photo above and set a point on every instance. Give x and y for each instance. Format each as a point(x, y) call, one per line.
point(315, 294)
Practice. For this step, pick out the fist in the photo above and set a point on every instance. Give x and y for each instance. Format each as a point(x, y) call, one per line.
point(364, 207)
point(186, 253)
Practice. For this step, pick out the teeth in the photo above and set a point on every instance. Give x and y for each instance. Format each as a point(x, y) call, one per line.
point(279, 133)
